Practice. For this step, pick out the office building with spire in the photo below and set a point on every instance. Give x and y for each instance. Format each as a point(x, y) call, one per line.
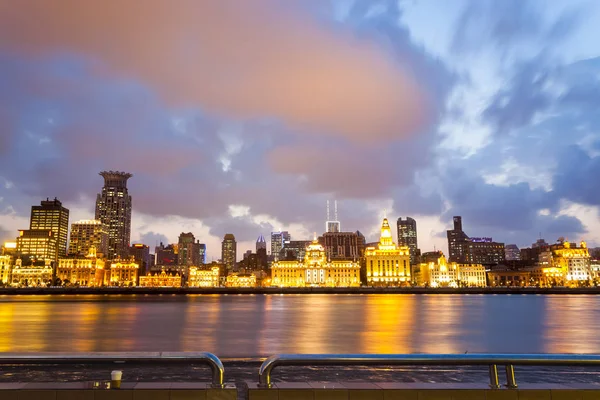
point(261, 253)
point(473, 250)
point(113, 209)
point(407, 236)
point(386, 263)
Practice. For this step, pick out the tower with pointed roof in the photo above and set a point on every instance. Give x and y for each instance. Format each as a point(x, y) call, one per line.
point(261, 243)
point(386, 263)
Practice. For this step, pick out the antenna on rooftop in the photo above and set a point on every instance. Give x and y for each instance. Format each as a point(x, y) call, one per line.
point(335, 208)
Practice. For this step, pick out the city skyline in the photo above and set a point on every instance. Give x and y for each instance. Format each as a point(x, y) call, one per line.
point(468, 118)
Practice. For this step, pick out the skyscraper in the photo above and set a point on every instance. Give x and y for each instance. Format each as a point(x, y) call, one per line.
point(473, 250)
point(141, 255)
point(261, 243)
point(278, 240)
point(88, 233)
point(113, 209)
point(229, 252)
point(190, 251)
point(332, 225)
point(50, 214)
point(407, 236)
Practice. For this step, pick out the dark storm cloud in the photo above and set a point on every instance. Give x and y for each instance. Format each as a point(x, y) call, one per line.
point(575, 176)
point(152, 239)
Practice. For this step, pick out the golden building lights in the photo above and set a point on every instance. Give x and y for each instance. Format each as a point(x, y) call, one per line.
point(386, 263)
point(5, 269)
point(241, 280)
point(315, 270)
point(203, 277)
point(160, 280)
point(31, 276)
point(83, 271)
point(122, 273)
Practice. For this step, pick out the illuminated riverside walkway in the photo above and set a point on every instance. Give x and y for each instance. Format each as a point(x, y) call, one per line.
point(265, 389)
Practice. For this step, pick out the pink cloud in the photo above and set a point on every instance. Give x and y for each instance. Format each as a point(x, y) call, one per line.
point(236, 58)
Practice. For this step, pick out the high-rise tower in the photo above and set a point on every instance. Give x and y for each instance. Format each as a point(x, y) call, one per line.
point(113, 209)
point(332, 225)
point(261, 243)
point(229, 252)
point(407, 236)
point(51, 215)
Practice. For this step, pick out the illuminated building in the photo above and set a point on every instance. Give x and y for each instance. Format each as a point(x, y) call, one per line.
point(141, 255)
point(407, 236)
point(574, 263)
point(229, 252)
point(466, 250)
point(436, 274)
point(122, 273)
point(203, 277)
point(241, 280)
point(38, 244)
point(472, 275)
point(315, 270)
point(31, 276)
point(5, 269)
point(86, 234)
point(113, 209)
point(386, 263)
point(190, 251)
point(50, 214)
point(278, 241)
point(261, 243)
point(9, 249)
point(512, 252)
point(160, 280)
point(84, 271)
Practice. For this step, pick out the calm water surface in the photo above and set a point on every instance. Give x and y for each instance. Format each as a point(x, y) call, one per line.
point(260, 325)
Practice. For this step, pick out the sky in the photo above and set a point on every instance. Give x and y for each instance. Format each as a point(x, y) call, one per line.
point(246, 117)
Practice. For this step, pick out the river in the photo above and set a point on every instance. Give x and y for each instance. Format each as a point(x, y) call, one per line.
point(250, 326)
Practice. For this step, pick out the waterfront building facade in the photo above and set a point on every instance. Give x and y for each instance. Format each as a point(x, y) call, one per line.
point(315, 270)
point(511, 278)
point(203, 277)
point(51, 215)
point(229, 252)
point(31, 276)
point(161, 279)
point(437, 273)
point(83, 271)
point(386, 263)
point(37, 244)
point(166, 255)
point(122, 273)
point(241, 280)
point(407, 236)
point(113, 209)
point(5, 270)
point(86, 234)
point(570, 264)
point(472, 275)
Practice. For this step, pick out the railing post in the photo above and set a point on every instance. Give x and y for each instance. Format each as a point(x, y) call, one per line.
point(494, 382)
point(511, 382)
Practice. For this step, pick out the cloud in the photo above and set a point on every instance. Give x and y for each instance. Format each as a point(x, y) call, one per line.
point(241, 59)
point(151, 239)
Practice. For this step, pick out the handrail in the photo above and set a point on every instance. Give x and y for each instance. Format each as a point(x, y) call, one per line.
point(491, 360)
point(215, 364)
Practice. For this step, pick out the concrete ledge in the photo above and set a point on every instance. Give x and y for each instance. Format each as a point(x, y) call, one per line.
point(128, 391)
point(417, 391)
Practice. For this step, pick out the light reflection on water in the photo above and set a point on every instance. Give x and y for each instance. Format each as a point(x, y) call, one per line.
point(260, 325)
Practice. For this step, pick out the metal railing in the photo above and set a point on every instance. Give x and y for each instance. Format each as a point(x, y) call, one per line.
point(216, 366)
point(490, 360)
